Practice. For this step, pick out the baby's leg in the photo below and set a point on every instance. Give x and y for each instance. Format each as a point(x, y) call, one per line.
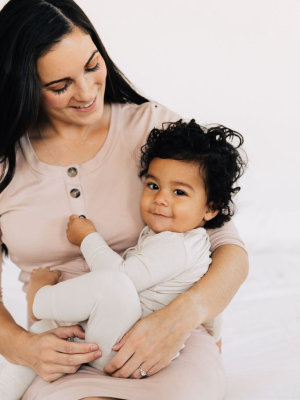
point(106, 299)
point(16, 379)
point(40, 277)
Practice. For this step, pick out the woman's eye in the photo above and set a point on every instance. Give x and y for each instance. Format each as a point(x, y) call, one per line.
point(97, 66)
point(152, 186)
point(62, 90)
point(179, 192)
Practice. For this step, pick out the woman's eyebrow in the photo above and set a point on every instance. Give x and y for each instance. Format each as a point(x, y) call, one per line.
point(68, 78)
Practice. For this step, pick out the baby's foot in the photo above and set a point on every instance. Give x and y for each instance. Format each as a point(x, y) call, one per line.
point(40, 277)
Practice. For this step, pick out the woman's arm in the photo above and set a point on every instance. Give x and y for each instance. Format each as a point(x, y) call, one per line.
point(156, 339)
point(216, 289)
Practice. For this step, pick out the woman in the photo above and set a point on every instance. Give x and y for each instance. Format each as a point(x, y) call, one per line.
point(71, 128)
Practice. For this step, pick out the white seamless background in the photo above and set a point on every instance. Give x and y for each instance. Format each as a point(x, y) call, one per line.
point(236, 63)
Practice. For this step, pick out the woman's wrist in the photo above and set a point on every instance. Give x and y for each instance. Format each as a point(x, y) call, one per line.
point(17, 352)
point(185, 308)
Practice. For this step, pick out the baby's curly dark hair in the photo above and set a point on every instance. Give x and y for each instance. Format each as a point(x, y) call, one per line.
point(220, 161)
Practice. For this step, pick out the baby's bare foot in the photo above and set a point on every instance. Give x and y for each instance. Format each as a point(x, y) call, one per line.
point(40, 277)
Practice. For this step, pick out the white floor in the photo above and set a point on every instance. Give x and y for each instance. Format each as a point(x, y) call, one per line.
point(262, 332)
point(261, 341)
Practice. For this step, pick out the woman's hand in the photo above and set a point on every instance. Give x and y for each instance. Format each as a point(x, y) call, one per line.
point(152, 343)
point(51, 355)
point(78, 229)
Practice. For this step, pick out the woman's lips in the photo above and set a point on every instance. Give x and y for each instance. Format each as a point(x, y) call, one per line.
point(86, 109)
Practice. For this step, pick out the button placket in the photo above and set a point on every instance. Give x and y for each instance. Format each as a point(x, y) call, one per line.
point(74, 190)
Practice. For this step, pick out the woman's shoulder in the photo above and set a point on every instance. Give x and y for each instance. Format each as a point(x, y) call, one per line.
point(151, 114)
point(137, 120)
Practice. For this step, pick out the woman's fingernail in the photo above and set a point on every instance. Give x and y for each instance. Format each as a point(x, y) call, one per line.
point(94, 348)
point(98, 354)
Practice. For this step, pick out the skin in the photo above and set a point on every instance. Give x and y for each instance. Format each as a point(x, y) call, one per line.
point(154, 340)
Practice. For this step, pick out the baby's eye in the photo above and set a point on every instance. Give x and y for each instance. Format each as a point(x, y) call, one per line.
point(179, 192)
point(152, 186)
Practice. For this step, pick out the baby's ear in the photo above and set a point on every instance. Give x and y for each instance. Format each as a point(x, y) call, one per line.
point(210, 213)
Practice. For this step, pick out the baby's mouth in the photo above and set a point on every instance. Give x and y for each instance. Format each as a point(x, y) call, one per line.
point(161, 215)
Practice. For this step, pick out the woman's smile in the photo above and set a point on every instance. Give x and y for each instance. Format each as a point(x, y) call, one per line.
point(86, 108)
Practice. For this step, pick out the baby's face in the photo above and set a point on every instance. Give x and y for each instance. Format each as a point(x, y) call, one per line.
point(174, 197)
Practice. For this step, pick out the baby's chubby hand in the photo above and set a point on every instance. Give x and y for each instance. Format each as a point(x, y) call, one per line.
point(78, 229)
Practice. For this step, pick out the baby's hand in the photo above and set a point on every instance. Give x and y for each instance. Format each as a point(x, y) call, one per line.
point(78, 229)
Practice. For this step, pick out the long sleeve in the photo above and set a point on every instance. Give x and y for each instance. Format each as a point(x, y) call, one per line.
point(163, 256)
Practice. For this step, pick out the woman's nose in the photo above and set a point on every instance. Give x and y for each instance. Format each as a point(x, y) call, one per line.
point(85, 90)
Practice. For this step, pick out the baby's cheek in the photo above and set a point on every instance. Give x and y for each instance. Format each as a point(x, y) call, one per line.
point(186, 218)
point(184, 213)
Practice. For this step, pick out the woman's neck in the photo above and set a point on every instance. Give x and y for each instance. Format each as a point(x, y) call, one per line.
point(52, 128)
point(56, 141)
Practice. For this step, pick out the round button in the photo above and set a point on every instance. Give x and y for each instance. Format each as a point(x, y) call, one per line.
point(82, 216)
point(72, 172)
point(75, 193)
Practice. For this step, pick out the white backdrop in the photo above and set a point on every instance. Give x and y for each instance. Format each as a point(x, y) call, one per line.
point(236, 63)
point(231, 62)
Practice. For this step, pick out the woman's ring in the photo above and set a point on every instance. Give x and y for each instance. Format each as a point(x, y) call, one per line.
point(143, 373)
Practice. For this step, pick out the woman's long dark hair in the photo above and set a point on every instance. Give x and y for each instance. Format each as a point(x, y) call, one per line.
point(28, 30)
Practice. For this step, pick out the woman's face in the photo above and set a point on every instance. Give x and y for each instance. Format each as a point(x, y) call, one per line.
point(72, 77)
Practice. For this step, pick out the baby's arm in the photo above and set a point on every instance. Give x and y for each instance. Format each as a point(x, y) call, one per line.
point(163, 255)
point(161, 259)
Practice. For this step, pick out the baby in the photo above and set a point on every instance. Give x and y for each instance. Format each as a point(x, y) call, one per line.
point(190, 176)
